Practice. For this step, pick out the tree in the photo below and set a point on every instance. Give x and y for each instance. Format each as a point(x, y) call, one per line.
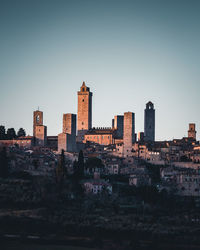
point(79, 166)
point(2, 133)
point(21, 132)
point(93, 163)
point(60, 167)
point(3, 163)
point(11, 134)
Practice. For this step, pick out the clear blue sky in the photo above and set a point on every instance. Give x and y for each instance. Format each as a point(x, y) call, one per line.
point(128, 52)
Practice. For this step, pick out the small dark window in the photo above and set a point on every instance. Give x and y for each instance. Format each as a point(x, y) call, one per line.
point(82, 123)
point(83, 100)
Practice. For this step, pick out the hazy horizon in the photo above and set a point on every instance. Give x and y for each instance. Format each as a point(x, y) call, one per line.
point(127, 52)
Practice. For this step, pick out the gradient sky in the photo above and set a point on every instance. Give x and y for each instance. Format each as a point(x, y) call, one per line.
point(128, 52)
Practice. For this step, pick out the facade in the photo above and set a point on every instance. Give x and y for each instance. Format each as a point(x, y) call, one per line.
point(40, 135)
point(149, 122)
point(129, 133)
point(97, 186)
point(84, 119)
point(192, 131)
point(22, 142)
point(67, 139)
point(118, 125)
point(102, 136)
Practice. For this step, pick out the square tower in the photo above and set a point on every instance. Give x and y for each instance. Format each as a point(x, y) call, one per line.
point(84, 122)
point(149, 122)
point(67, 139)
point(129, 133)
point(37, 120)
point(119, 125)
point(192, 131)
point(69, 124)
point(40, 135)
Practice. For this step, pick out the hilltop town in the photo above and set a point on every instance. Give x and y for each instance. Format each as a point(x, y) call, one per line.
point(108, 179)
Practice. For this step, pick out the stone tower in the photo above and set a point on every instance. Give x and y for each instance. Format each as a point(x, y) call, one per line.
point(37, 120)
point(84, 121)
point(149, 122)
point(67, 139)
point(39, 130)
point(192, 131)
point(118, 125)
point(128, 133)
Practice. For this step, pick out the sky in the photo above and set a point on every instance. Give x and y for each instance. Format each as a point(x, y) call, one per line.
point(127, 52)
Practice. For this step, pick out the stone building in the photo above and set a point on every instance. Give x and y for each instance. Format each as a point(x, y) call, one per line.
point(39, 130)
point(129, 133)
point(102, 136)
point(37, 120)
point(118, 125)
point(192, 131)
point(149, 122)
point(84, 119)
point(40, 135)
point(67, 139)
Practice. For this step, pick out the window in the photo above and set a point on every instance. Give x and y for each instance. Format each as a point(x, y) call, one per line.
point(83, 100)
point(82, 123)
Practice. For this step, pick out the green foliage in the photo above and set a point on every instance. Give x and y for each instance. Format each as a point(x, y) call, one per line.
point(60, 167)
point(11, 134)
point(21, 132)
point(94, 163)
point(2, 133)
point(154, 172)
point(79, 167)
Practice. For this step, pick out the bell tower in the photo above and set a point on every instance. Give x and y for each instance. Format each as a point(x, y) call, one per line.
point(37, 119)
point(84, 121)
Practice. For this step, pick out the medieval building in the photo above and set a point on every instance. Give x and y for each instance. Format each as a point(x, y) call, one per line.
point(84, 115)
point(149, 122)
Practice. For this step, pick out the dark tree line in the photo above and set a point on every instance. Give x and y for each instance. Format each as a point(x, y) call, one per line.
point(3, 163)
point(10, 133)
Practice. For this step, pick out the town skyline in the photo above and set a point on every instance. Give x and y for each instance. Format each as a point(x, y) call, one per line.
point(127, 53)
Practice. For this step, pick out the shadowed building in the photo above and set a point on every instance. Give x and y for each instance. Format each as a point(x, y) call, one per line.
point(141, 136)
point(84, 121)
point(67, 139)
point(129, 133)
point(118, 125)
point(192, 131)
point(39, 130)
point(149, 122)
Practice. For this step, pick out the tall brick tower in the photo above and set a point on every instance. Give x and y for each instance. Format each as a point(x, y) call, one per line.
point(149, 122)
point(128, 133)
point(192, 131)
point(84, 121)
point(37, 120)
point(39, 130)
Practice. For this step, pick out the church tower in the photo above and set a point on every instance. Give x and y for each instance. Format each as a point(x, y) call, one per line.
point(84, 121)
point(37, 120)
